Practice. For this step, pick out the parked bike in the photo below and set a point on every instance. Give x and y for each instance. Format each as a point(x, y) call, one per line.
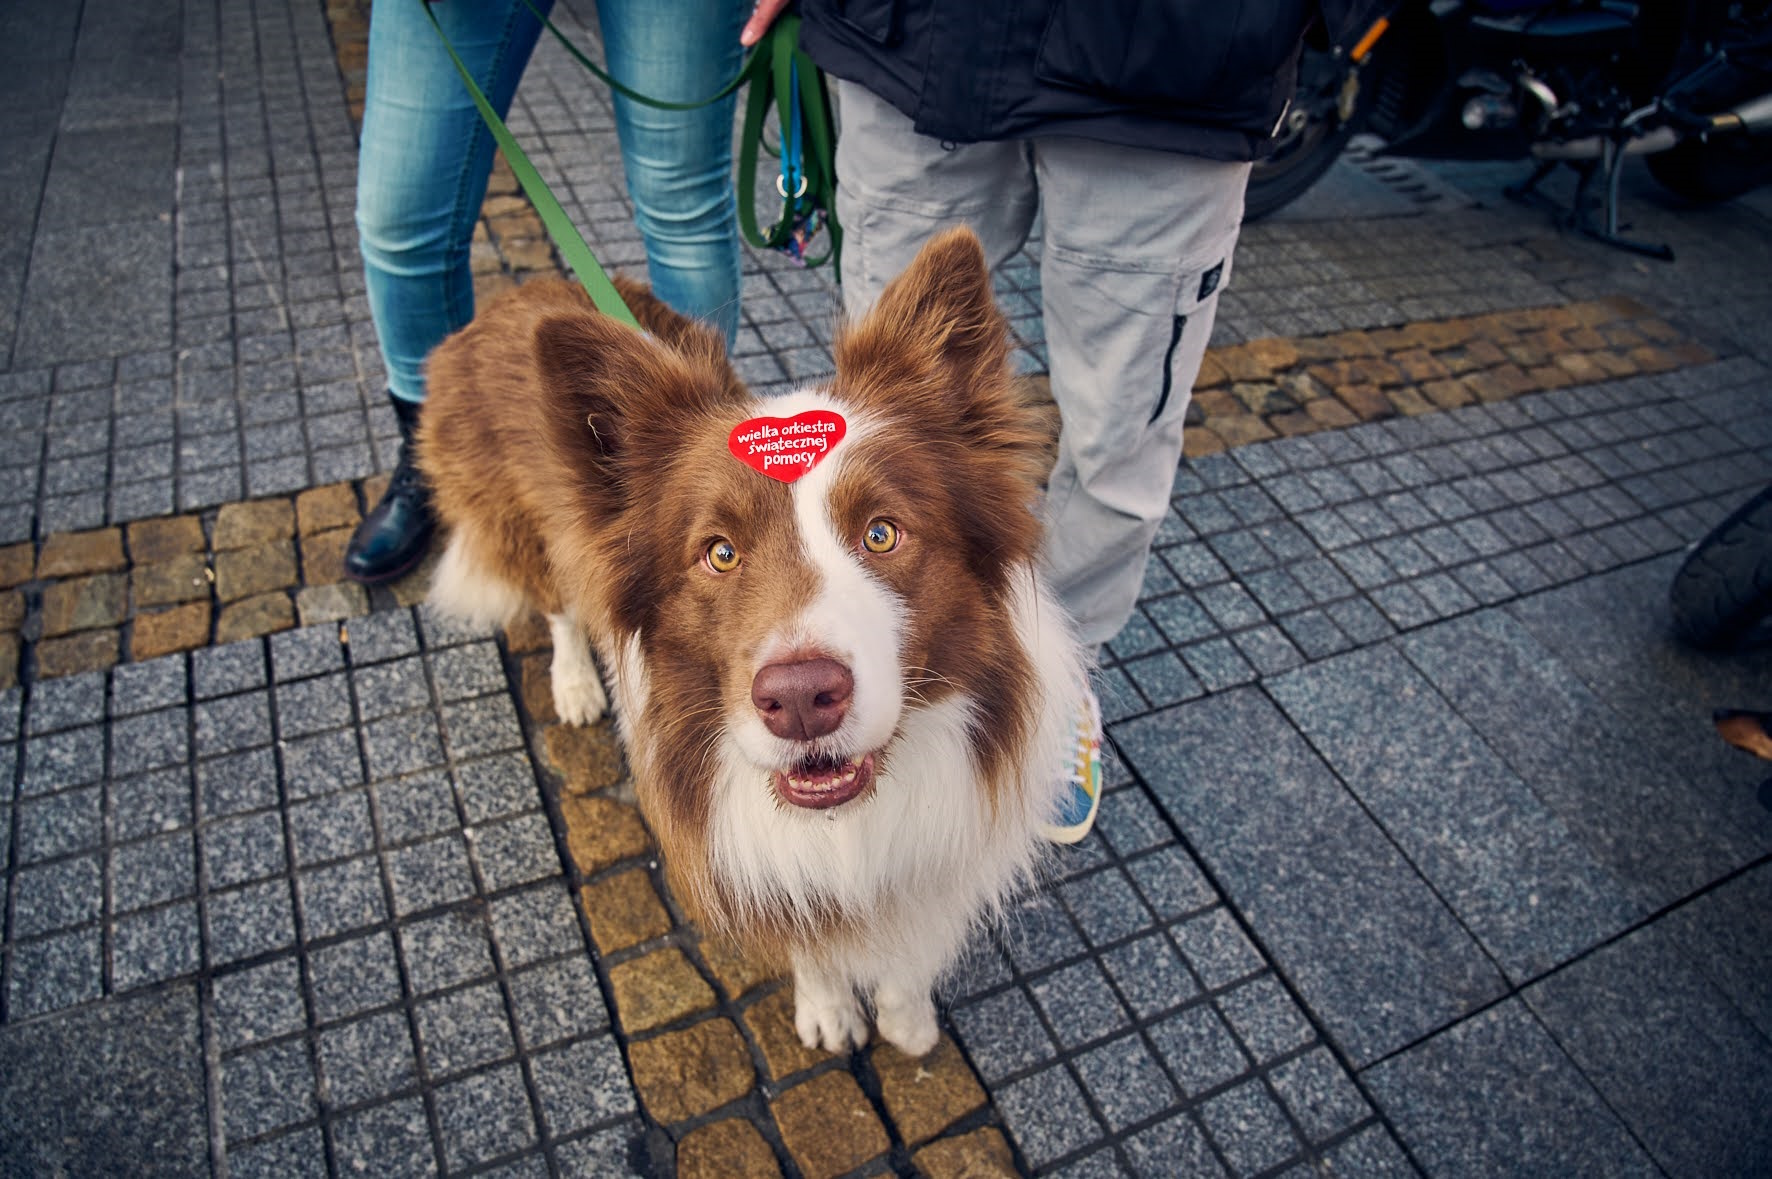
point(1584, 82)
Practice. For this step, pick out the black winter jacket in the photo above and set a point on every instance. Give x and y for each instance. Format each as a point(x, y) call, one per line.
point(1203, 77)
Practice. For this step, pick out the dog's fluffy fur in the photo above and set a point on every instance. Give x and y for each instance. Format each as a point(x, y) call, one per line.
point(583, 468)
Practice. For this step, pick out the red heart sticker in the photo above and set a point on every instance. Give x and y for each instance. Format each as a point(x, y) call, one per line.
point(786, 448)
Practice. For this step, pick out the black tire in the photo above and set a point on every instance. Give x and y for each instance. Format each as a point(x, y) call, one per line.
point(1720, 170)
point(1724, 588)
point(1310, 140)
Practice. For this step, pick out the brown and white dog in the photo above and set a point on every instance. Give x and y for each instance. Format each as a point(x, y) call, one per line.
point(847, 696)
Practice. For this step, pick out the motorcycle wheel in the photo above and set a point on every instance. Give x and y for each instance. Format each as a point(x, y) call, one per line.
point(1311, 138)
point(1723, 590)
point(1720, 170)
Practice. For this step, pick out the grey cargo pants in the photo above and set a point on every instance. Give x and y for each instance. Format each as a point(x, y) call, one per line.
point(1137, 245)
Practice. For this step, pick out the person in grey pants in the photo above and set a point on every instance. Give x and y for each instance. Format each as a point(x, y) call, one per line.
point(1128, 126)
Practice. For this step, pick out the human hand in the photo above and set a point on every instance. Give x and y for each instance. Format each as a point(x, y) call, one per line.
point(762, 16)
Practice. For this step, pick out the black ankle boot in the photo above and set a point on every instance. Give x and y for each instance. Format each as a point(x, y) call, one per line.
point(396, 533)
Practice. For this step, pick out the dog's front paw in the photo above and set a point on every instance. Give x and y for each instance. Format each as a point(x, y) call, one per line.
point(834, 1023)
point(909, 1027)
point(579, 698)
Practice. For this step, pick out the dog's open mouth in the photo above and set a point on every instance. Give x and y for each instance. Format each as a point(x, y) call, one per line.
point(824, 781)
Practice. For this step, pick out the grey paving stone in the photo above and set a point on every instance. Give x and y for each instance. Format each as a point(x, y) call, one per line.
point(1105, 906)
point(308, 651)
point(321, 764)
point(60, 824)
point(65, 703)
point(259, 1003)
point(1376, 956)
point(1198, 1048)
point(1218, 664)
point(464, 1029)
point(57, 895)
point(149, 741)
point(402, 744)
point(1503, 860)
point(392, 1139)
point(154, 946)
point(1172, 883)
point(55, 972)
point(557, 1001)
point(1078, 1004)
point(1039, 934)
point(430, 873)
point(265, 1089)
point(582, 1085)
point(1163, 679)
point(331, 828)
point(611, 1151)
point(1174, 1147)
point(483, 1116)
point(1617, 793)
point(1003, 1035)
point(1728, 932)
point(493, 787)
point(1150, 975)
point(416, 807)
point(1371, 1152)
point(142, 687)
point(1471, 1098)
point(1689, 1078)
point(1216, 949)
point(534, 924)
point(232, 723)
point(244, 848)
point(473, 670)
point(309, 706)
point(382, 636)
point(249, 921)
point(227, 669)
point(340, 897)
point(386, 688)
point(1047, 1116)
point(1126, 1081)
point(1319, 1094)
point(483, 725)
point(367, 1058)
point(1265, 1018)
point(158, 869)
point(1267, 650)
point(113, 1084)
point(1130, 823)
point(237, 783)
point(1249, 1128)
point(1662, 693)
point(515, 851)
point(60, 760)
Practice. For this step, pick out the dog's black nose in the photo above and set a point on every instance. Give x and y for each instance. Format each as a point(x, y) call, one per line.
point(802, 700)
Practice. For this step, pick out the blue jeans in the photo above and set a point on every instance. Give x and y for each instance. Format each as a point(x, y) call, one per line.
point(425, 157)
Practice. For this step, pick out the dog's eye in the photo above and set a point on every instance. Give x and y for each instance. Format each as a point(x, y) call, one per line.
point(881, 536)
point(722, 556)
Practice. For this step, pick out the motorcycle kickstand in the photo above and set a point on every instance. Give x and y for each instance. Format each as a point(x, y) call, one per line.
point(1578, 216)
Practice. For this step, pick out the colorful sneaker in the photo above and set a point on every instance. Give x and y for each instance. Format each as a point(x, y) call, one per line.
point(1076, 811)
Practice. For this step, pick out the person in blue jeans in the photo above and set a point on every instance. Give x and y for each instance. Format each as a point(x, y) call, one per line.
point(425, 159)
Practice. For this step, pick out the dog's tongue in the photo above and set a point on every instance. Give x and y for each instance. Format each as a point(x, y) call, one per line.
point(823, 784)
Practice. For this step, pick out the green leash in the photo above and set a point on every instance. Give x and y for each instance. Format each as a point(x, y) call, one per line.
point(559, 225)
point(780, 74)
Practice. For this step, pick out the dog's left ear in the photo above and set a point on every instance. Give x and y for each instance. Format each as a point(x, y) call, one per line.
point(936, 346)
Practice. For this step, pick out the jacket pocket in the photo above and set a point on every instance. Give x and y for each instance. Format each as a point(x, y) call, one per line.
point(1193, 55)
point(877, 20)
